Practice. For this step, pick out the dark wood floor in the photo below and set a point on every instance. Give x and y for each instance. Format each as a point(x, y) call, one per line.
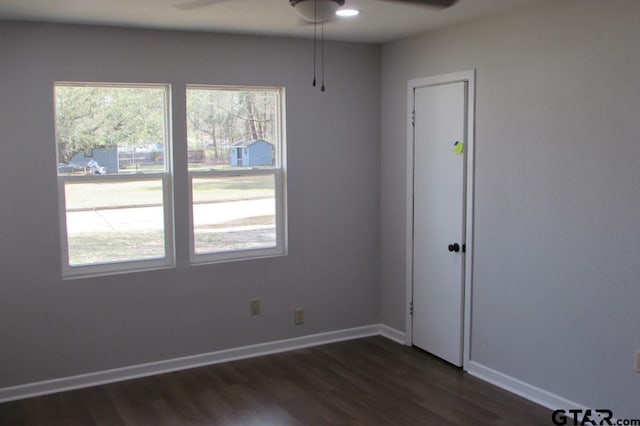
point(370, 381)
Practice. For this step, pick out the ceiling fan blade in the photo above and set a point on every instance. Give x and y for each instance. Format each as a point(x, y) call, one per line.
point(195, 4)
point(443, 4)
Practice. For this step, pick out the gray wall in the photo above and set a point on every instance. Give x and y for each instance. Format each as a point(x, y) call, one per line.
point(52, 328)
point(556, 288)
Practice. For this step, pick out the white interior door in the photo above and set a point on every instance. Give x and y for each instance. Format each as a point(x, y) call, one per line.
point(439, 219)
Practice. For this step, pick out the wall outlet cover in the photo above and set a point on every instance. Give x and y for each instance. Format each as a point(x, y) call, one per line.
point(298, 317)
point(255, 306)
point(638, 362)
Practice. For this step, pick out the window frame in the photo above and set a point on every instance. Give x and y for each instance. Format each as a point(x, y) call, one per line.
point(278, 171)
point(166, 178)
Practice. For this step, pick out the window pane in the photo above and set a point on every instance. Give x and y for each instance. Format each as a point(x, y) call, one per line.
point(109, 130)
point(232, 129)
point(114, 221)
point(233, 213)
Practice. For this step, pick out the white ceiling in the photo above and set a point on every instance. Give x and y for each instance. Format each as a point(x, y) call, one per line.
point(379, 21)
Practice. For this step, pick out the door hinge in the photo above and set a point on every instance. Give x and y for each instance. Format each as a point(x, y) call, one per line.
point(411, 308)
point(413, 118)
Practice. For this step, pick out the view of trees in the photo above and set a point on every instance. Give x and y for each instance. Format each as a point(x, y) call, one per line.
point(88, 117)
point(217, 118)
point(91, 117)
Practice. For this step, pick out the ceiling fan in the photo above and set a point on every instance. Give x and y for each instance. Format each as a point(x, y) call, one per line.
point(320, 10)
point(324, 10)
point(317, 12)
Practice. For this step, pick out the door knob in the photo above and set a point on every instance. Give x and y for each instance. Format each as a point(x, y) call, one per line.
point(455, 247)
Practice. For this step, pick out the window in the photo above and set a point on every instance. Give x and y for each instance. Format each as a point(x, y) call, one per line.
point(236, 172)
point(113, 156)
point(116, 183)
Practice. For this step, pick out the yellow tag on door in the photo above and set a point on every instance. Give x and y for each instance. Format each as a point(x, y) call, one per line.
point(458, 147)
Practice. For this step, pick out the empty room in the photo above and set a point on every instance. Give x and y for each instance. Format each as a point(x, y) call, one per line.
point(260, 212)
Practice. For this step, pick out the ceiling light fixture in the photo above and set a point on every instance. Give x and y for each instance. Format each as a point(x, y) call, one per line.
point(316, 10)
point(347, 13)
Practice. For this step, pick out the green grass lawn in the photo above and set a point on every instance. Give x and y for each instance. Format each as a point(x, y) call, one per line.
point(233, 188)
point(96, 195)
point(105, 247)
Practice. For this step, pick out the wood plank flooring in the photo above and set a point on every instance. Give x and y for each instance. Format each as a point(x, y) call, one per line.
point(370, 381)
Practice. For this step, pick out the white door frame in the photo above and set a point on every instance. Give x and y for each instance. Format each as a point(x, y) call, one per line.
point(469, 77)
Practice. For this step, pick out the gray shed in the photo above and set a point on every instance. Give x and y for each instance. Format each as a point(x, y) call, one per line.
point(257, 152)
point(106, 157)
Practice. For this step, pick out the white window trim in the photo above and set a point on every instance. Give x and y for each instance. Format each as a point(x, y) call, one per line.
point(121, 267)
point(280, 183)
point(167, 177)
point(280, 249)
point(82, 271)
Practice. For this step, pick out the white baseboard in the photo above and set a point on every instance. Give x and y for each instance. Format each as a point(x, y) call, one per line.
point(523, 389)
point(518, 387)
point(141, 370)
point(393, 334)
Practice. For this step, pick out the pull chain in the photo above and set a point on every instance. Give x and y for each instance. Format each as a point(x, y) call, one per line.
point(322, 59)
point(315, 48)
point(315, 38)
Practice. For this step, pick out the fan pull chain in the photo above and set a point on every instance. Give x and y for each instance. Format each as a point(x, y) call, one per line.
point(322, 59)
point(315, 38)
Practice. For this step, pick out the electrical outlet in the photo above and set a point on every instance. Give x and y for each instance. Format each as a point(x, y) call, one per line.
point(255, 306)
point(638, 362)
point(298, 316)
